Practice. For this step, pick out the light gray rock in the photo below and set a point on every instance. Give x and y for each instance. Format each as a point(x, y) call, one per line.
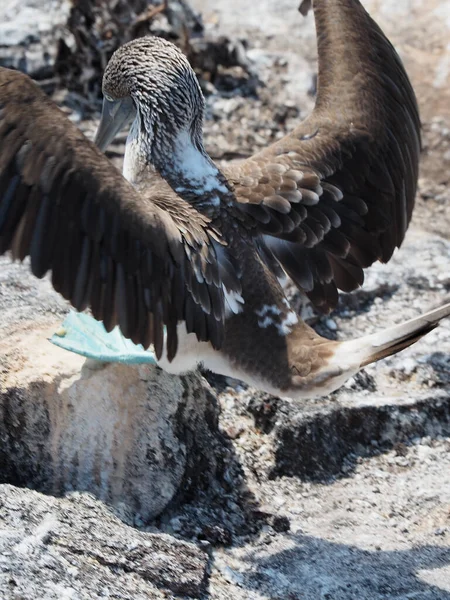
point(29, 34)
point(73, 548)
point(130, 435)
point(376, 525)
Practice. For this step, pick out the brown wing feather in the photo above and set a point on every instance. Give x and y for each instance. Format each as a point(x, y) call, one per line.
point(138, 260)
point(347, 175)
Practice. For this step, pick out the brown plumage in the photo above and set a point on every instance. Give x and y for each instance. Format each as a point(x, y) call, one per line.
point(337, 193)
point(138, 260)
point(184, 245)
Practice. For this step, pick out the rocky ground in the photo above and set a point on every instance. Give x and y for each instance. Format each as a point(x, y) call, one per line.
point(345, 498)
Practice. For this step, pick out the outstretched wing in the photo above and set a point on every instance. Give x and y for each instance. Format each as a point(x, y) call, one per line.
point(337, 193)
point(139, 261)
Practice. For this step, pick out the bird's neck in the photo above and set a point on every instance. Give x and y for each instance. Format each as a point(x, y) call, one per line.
point(180, 159)
point(137, 167)
point(189, 170)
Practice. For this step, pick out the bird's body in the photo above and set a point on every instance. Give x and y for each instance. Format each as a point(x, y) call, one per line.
point(184, 245)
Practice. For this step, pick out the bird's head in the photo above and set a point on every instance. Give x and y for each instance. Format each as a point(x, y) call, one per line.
point(150, 82)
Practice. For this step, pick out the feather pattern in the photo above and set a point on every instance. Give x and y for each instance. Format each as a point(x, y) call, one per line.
point(140, 260)
point(347, 175)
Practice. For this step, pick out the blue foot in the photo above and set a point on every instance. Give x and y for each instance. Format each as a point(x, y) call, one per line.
point(82, 334)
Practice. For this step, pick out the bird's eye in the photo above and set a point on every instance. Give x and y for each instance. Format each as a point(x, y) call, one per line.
point(108, 97)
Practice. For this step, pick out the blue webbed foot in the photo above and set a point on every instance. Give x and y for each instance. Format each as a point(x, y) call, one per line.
point(82, 334)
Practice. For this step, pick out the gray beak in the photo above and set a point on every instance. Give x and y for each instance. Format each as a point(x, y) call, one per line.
point(116, 114)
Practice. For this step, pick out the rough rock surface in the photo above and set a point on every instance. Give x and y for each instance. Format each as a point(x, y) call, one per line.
point(135, 437)
point(345, 498)
point(29, 33)
point(74, 548)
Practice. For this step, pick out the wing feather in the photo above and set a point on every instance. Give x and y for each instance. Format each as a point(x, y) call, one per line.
point(138, 260)
point(349, 171)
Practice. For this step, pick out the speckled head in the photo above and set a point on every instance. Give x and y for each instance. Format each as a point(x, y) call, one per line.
point(150, 83)
point(158, 78)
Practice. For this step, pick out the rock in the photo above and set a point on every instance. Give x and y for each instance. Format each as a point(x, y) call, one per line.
point(64, 43)
point(264, 409)
point(29, 34)
point(74, 548)
point(99, 28)
point(65, 426)
point(319, 444)
point(46, 391)
point(376, 525)
point(135, 437)
point(25, 299)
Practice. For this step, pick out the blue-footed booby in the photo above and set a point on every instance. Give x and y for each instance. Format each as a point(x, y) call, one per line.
point(186, 257)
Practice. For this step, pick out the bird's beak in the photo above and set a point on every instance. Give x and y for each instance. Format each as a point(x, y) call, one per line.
point(115, 115)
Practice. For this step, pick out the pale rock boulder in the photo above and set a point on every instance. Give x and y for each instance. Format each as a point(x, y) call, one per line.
point(131, 435)
point(73, 548)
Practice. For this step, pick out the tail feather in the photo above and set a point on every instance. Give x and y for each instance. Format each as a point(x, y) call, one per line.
point(379, 345)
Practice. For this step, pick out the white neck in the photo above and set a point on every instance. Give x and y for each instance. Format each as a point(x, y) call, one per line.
point(185, 167)
point(134, 160)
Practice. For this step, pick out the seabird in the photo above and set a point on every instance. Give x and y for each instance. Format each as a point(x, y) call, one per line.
point(184, 256)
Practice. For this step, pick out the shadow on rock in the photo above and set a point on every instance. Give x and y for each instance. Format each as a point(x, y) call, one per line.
point(325, 444)
point(311, 568)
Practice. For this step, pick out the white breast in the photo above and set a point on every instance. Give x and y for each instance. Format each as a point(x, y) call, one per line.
point(191, 353)
point(134, 158)
point(196, 167)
